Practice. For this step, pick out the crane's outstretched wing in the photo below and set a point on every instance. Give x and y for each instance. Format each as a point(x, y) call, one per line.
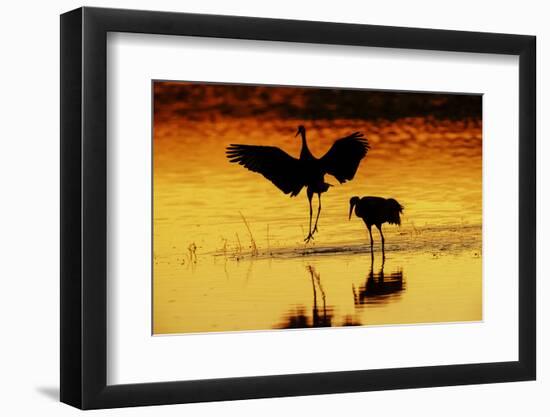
point(342, 159)
point(273, 163)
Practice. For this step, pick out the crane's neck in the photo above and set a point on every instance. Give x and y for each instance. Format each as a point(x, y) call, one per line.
point(305, 153)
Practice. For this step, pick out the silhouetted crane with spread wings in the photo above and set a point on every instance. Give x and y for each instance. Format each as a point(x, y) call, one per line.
point(290, 175)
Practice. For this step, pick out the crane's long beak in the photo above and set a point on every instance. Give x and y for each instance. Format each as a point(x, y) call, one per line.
point(297, 133)
point(350, 210)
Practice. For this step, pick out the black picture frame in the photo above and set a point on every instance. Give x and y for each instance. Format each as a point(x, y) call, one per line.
point(84, 207)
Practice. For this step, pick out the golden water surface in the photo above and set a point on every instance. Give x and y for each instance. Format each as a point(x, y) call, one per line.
point(229, 251)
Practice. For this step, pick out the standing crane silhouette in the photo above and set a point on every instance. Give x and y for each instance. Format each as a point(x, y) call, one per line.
point(290, 175)
point(376, 211)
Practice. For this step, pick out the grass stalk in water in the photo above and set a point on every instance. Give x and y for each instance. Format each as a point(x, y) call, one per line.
point(253, 247)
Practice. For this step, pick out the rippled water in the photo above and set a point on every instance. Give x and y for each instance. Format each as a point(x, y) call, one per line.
point(228, 245)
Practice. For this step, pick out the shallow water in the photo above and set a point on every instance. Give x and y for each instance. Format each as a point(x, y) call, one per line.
point(228, 246)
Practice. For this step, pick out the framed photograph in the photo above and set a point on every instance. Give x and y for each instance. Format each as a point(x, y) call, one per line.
point(257, 208)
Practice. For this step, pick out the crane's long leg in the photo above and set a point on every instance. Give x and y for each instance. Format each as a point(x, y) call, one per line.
point(318, 212)
point(309, 235)
point(382, 237)
point(371, 243)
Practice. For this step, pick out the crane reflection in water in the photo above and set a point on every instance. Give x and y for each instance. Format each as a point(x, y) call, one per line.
point(379, 288)
point(321, 316)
